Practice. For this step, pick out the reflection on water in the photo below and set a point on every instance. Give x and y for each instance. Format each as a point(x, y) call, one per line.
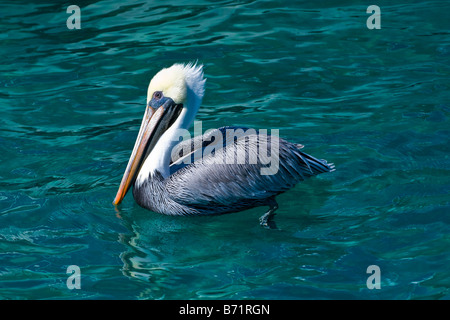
point(172, 254)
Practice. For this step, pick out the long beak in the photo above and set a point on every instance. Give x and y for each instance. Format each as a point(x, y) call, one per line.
point(154, 124)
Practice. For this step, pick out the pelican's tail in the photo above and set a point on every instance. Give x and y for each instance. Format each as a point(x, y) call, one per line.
point(318, 166)
point(313, 166)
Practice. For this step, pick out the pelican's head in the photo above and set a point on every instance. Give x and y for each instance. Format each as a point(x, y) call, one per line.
point(173, 98)
point(184, 84)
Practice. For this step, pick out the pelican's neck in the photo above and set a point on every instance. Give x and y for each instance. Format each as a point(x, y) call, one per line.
point(159, 157)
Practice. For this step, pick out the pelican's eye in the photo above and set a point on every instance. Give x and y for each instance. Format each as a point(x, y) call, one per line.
point(157, 95)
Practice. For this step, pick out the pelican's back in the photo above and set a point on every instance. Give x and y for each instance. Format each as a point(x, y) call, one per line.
point(214, 184)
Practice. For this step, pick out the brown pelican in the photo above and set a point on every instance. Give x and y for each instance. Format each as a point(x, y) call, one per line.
point(165, 182)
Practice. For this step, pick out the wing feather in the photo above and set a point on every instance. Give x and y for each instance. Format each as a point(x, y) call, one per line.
point(212, 181)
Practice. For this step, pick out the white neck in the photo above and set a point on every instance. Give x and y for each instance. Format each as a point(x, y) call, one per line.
point(159, 157)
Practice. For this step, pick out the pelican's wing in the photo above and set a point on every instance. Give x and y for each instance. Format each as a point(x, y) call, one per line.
point(188, 151)
point(215, 180)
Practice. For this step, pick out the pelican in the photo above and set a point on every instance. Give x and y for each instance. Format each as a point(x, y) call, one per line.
point(165, 182)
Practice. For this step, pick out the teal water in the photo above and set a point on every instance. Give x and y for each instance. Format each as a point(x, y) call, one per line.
point(374, 102)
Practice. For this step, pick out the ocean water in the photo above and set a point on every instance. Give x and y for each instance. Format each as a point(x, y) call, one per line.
point(376, 102)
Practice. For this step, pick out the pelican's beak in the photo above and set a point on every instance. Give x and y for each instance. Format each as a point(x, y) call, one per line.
point(154, 124)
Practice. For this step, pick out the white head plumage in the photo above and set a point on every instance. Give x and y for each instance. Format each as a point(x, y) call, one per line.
point(183, 83)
